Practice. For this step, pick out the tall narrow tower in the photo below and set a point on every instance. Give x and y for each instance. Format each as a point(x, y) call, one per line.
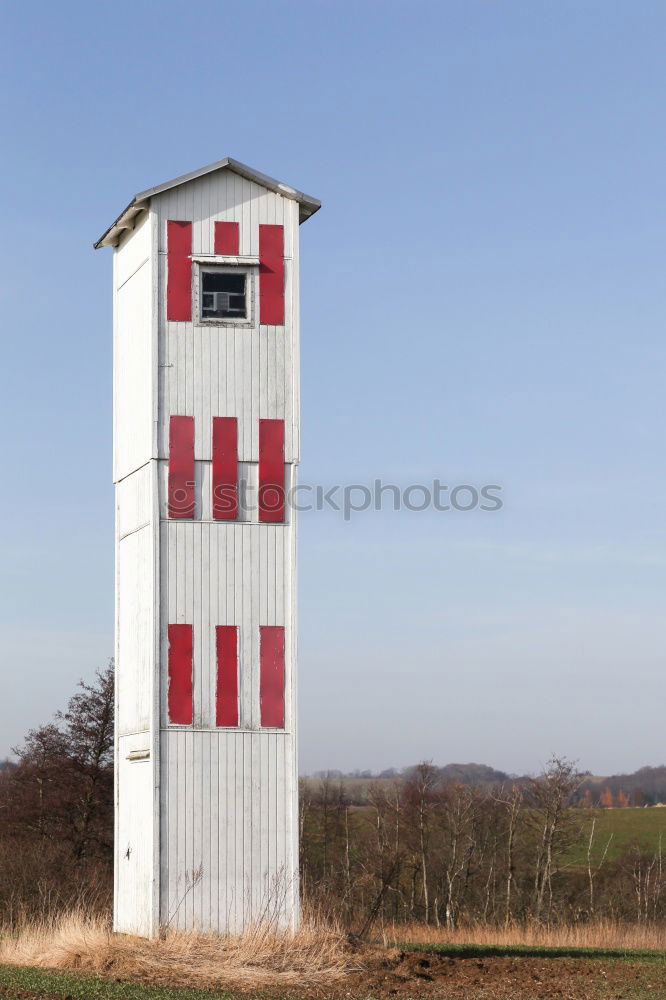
point(205, 449)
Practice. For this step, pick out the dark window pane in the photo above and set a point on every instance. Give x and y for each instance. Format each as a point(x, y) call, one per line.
point(223, 295)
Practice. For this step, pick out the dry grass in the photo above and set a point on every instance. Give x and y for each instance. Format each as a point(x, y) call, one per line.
point(316, 954)
point(261, 957)
point(602, 934)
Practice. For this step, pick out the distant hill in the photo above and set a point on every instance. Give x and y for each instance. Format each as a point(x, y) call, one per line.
point(473, 774)
point(647, 786)
point(357, 783)
point(466, 774)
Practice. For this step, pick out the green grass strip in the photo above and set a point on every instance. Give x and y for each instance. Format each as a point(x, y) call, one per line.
point(80, 987)
point(534, 951)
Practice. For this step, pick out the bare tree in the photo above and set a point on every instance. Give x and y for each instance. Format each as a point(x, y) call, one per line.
point(62, 788)
point(512, 802)
point(459, 812)
point(551, 795)
point(420, 797)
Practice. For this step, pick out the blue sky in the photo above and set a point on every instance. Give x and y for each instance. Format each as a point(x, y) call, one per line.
point(483, 301)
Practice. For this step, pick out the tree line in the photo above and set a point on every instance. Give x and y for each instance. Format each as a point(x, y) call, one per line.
point(423, 849)
point(421, 846)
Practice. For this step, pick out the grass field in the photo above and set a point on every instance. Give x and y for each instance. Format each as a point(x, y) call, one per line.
point(537, 951)
point(47, 984)
point(356, 788)
point(640, 826)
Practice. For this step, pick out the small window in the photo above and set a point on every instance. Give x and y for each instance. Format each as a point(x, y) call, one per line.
point(223, 295)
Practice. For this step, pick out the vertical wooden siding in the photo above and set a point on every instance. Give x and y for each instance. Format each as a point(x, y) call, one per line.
point(226, 817)
point(227, 797)
point(229, 803)
point(224, 574)
point(212, 817)
point(214, 370)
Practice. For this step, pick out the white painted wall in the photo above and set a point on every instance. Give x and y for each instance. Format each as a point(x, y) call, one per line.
point(225, 812)
point(135, 836)
point(137, 602)
point(134, 397)
point(212, 370)
point(221, 802)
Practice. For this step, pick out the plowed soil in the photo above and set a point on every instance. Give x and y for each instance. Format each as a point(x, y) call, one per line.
point(406, 975)
point(412, 974)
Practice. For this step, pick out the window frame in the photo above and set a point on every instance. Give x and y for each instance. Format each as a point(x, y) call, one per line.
point(220, 266)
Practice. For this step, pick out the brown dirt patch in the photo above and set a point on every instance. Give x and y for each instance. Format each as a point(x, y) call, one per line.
point(407, 975)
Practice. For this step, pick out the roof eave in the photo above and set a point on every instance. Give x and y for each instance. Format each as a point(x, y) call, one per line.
point(125, 221)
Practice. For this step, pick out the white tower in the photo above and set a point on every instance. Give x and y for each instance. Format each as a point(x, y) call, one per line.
point(205, 445)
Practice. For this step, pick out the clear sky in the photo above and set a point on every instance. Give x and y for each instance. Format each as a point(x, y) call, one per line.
point(483, 302)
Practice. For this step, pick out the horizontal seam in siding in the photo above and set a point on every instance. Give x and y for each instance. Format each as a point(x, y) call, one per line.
point(227, 730)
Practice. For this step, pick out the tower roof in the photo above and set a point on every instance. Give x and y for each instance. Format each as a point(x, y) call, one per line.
point(139, 203)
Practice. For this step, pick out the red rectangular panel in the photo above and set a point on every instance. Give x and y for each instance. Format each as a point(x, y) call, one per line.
point(271, 685)
point(227, 239)
point(271, 275)
point(225, 468)
point(226, 698)
point(179, 271)
point(180, 675)
point(181, 467)
point(271, 470)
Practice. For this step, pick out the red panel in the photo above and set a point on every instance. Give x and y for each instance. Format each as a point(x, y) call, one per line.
point(271, 470)
point(179, 271)
point(226, 698)
point(227, 239)
point(271, 687)
point(225, 468)
point(180, 675)
point(271, 275)
point(181, 467)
